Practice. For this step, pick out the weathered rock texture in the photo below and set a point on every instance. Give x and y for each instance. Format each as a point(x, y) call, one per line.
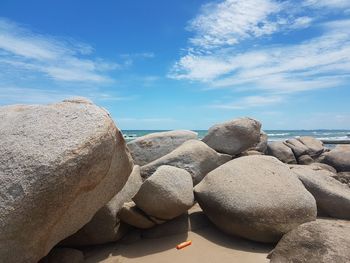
point(134, 216)
point(321, 241)
point(332, 197)
point(194, 156)
point(166, 194)
point(282, 152)
point(256, 197)
point(235, 136)
point(59, 164)
point(152, 146)
point(105, 226)
point(339, 158)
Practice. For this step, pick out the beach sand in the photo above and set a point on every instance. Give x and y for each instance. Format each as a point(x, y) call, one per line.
point(208, 245)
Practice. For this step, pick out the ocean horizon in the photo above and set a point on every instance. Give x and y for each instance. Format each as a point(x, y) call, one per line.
point(273, 135)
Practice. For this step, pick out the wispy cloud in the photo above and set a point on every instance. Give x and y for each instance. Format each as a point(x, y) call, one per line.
point(220, 56)
point(58, 59)
point(248, 102)
point(28, 95)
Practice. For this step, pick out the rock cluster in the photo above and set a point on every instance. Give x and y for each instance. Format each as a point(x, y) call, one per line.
point(68, 179)
point(302, 150)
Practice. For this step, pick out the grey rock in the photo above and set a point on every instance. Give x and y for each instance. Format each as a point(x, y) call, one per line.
point(133, 216)
point(233, 137)
point(305, 159)
point(343, 177)
point(59, 164)
point(321, 241)
point(255, 197)
point(166, 194)
point(332, 197)
point(152, 146)
point(319, 166)
point(194, 156)
point(297, 147)
point(315, 147)
point(261, 146)
point(64, 255)
point(281, 151)
point(104, 227)
point(339, 158)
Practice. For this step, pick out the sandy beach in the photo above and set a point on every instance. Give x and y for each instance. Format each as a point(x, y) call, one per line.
point(208, 245)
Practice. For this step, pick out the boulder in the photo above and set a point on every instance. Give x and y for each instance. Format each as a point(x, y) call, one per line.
point(166, 194)
point(323, 166)
point(233, 137)
point(63, 255)
point(343, 177)
point(297, 147)
point(194, 156)
point(332, 197)
point(281, 151)
point(261, 146)
point(305, 159)
point(152, 146)
point(59, 164)
point(321, 241)
point(315, 147)
point(255, 197)
point(339, 158)
point(104, 227)
point(133, 216)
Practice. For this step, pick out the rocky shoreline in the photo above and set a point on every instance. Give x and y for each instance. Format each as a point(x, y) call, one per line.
point(69, 182)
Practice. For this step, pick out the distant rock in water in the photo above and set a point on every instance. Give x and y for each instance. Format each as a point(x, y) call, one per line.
point(152, 146)
point(59, 164)
point(235, 136)
point(255, 197)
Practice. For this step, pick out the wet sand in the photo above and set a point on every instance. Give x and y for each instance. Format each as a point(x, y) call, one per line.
point(208, 245)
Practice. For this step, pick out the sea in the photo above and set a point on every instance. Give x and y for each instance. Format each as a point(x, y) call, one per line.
point(273, 135)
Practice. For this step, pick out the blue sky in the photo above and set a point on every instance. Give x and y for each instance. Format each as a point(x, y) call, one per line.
point(184, 64)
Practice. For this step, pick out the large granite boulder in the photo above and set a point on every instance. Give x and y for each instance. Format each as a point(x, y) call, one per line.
point(166, 194)
point(152, 146)
point(281, 151)
point(314, 147)
point(339, 158)
point(321, 241)
point(332, 197)
point(233, 137)
point(297, 147)
point(256, 197)
point(105, 226)
point(194, 156)
point(59, 164)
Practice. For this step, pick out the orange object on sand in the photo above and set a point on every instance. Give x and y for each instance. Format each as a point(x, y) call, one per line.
point(184, 244)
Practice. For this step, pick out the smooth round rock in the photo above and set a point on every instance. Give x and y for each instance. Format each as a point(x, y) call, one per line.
point(166, 194)
point(255, 197)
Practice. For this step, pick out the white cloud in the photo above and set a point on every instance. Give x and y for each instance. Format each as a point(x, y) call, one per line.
point(28, 95)
point(217, 56)
point(249, 102)
point(328, 3)
point(58, 59)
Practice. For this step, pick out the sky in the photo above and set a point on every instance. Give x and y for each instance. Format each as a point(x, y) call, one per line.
point(184, 64)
